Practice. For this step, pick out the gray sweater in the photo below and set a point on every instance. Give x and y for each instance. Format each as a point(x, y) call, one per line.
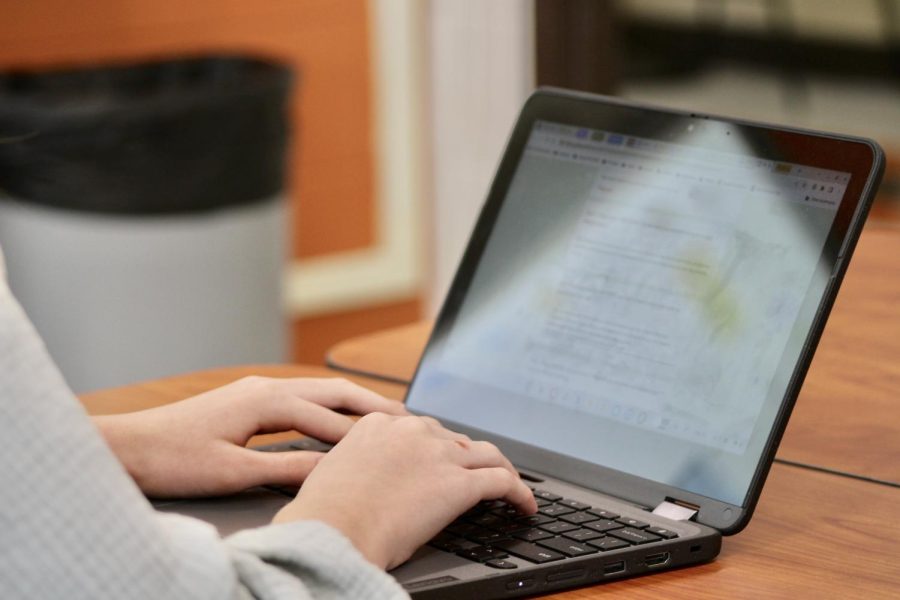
point(74, 525)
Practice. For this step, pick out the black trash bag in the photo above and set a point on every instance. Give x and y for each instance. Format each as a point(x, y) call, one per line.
point(165, 137)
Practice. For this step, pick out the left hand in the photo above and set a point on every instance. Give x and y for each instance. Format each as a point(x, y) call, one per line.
point(196, 447)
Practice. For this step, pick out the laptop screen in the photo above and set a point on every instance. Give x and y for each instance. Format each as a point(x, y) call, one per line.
point(640, 304)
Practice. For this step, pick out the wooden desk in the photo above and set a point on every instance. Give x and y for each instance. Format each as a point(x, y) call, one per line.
point(848, 415)
point(814, 534)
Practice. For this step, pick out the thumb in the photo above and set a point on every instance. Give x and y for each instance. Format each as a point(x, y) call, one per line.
point(282, 468)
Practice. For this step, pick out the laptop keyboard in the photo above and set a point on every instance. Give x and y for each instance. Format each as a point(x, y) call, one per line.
point(493, 531)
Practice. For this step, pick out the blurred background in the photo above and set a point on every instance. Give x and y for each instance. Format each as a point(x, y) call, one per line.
point(395, 113)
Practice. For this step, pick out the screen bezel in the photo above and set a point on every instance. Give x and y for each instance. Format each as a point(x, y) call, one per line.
point(862, 158)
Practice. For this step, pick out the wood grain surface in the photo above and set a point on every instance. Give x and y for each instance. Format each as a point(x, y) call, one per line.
point(848, 415)
point(814, 535)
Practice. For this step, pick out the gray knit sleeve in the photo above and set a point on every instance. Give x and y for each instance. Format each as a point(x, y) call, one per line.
point(307, 559)
point(74, 525)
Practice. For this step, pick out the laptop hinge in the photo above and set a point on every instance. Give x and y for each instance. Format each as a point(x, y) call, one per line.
point(677, 510)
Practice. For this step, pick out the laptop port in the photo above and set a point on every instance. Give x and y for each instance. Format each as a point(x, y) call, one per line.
point(613, 568)
point(656, 560)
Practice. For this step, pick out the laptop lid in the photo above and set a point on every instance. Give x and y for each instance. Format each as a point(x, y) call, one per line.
point(642, 296)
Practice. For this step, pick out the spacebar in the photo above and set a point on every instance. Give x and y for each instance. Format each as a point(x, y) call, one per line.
point(528, 551)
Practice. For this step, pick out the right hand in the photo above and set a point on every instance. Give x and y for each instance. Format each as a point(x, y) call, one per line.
point(394, 482)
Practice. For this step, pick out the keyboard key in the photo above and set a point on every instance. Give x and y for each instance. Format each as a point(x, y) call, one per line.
point(449, 542)
point(541, 502)
point(535, 520)
point(603, 514)
point(608, 543)
point(502, 564)
point(547, 495)
point(462, 529)
point(532, 535)
point(633, 523)
point(487, 537)
point(635, 536)
point(567, 546)
point(574, 504)
point(558, 527)
point(482, 553)
point(486, 520)
point(578, 518)
point(583, 535)
point(511, 527)
point(507, 512)
point(664, 533)
point(530, 552)
point(555, 510)
point(603, 525)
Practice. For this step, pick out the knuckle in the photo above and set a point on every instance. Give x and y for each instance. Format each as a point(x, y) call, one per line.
point(258, 385)
point(250, 380)
point(265, 383)
point(344, 383)
point(431, 421)
point(490, 448)
point(464, 443)
point(414, 423)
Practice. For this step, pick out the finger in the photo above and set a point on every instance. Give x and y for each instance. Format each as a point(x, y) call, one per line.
point(343, 394)
point(497, 483)
point(289, 413)
point(279, 468)
point(480, 455)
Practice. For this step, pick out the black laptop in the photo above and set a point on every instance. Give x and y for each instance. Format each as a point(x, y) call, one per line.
point(631, 324)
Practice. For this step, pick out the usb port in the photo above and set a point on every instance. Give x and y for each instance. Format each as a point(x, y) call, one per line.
point(613, 568)
point(656, 560)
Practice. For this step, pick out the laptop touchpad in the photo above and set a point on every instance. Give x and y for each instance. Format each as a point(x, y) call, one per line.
point(251, 508)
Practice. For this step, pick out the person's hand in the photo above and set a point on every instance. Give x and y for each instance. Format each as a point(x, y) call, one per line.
point(196, 447)
point(394, 482)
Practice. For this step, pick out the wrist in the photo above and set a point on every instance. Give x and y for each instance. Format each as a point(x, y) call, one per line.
point(121, 437)
point(360, 532)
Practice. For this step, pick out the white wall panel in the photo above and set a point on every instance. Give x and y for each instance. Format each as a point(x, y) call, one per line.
point(481, 71)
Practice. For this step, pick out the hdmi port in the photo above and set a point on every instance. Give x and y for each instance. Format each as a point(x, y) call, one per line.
point(613, 568)
point(656, 560)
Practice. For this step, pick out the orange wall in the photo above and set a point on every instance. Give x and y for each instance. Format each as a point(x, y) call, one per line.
point(325, 40)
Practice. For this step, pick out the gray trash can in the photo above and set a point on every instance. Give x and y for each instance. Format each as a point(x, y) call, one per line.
point(142, 214)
